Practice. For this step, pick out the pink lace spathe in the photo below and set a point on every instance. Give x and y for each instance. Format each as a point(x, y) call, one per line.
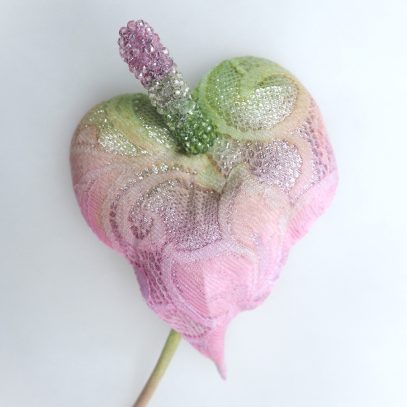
point(205, 243)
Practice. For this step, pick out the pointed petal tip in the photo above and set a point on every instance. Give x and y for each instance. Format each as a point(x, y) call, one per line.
point(221, 369)
point(212, 346)
point(215, 349)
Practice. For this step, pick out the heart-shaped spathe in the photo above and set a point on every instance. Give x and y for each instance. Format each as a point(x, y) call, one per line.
point(207, 234)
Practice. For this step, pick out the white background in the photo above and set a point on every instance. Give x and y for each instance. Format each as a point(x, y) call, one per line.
point(74, 330)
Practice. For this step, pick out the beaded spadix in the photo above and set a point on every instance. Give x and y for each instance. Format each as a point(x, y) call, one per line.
point(148, 59)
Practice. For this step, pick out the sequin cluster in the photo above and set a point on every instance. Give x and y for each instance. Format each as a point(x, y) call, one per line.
point(110, 138)
point(148, 59)
point(249, 106)
point(189, 212)
point(278, 162)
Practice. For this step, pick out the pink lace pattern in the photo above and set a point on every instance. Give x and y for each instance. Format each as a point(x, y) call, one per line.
point(207, 236)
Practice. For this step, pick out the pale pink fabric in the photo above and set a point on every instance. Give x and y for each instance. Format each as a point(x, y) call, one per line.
point(203, 251)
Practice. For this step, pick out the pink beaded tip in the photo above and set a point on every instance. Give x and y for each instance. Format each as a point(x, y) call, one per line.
point(141, 49)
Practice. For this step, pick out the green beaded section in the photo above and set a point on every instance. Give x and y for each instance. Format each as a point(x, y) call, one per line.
point(193, 133)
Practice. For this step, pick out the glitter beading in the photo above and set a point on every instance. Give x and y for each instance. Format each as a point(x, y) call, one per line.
point(148, 59)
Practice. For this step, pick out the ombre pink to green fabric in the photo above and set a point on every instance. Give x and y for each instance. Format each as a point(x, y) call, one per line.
point(207, 234)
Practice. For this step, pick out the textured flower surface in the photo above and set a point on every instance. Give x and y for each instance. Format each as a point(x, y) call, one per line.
point(207, 234)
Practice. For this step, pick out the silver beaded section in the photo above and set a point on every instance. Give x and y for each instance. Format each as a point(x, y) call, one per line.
point(110, 138)
point(250, 95)
point(171, 95)
point(226, 153)
point(266, 106)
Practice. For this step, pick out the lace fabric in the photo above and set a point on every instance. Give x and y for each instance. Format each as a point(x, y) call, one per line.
point(207, 235)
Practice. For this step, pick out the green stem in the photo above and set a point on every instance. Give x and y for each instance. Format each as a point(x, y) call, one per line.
point(164, 360)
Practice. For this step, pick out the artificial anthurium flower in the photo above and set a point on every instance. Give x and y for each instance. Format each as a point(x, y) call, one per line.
point(203, 191)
